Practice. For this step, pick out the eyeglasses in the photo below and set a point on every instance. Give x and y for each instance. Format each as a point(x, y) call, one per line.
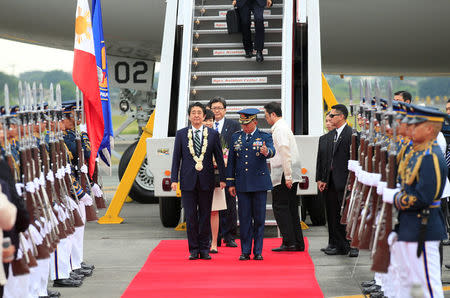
point(217, 109)
point(334, 115)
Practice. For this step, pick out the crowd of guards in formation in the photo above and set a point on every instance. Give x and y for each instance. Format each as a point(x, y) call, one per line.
point(392, 201)
point(43, 173)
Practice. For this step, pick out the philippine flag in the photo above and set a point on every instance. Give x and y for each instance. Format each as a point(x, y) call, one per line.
point(85, 77)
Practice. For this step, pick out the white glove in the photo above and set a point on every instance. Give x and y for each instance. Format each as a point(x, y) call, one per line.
point(375, 179)
point(84, 169)
point(389, 193)
point(87, 200)
point(42, 180)
point(36, 235)
point(50, 177)
point(19, 188)
point(68, 169)
point(30, 187)
point(83, 128)
point(37, 185)
point(96, 190)
point(352, 165)
point(392, 238)
point(381, 185)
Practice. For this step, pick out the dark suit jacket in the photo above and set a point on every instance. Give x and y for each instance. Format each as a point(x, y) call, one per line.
point(228, 129)
point(323, 158)
point(240, 3)
point(340, 156)
point(188, 174)
point(9, 189)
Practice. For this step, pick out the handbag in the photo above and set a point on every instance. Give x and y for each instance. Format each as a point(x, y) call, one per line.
point(233, 21)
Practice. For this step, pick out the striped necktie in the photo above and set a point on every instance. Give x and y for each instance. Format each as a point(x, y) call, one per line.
point(216, 126)
point(197, 142)
point(447, 156)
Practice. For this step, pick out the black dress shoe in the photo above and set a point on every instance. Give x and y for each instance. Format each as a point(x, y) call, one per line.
point(258, 257)
point(87, 266)
point(377, 294)
point(248, 53)
point(75, 276)
point(259, 56)
point(299, 248)
point(67, 283)
point(353, 253)
point(244, 257)
point(447, 266)
point(213, 251)
point(335, 251)
point(369, 283)
point(372, 289)
point(83, 272)
point(284, 248)
point(231, 243)
point(205, 256)
point(193, 256)
point(52, 293)
point(325, 248)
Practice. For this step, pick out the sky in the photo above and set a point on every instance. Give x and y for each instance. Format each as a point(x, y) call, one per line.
point(18, 57)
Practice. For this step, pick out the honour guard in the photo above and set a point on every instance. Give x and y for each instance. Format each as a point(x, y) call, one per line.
point(248, 177)
point(422, 175)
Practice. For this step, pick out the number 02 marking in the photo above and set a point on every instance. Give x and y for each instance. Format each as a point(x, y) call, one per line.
point(139, 68)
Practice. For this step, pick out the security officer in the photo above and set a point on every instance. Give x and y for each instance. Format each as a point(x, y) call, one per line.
point(422, 174)
point(248, 176)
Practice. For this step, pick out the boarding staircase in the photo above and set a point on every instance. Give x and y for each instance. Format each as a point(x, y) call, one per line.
point(218, 66)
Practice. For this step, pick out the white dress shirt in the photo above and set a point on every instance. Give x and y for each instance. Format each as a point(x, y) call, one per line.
point(287, 157)
point(221, 123)
point(339, 130)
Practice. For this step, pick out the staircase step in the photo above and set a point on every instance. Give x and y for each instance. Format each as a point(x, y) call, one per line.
point(235, 102)
point(233, 59)
point(225, 31)
point(228, 6)
point(223, 18)
point(232, 45)
point(236, 87)
point(236, 73)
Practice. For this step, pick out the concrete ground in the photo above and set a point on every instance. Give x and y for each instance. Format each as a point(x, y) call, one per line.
point(119, 251)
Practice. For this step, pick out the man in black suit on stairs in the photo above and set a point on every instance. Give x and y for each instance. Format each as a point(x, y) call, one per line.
point(339, 150)
point(226, 127)
point(245, 7)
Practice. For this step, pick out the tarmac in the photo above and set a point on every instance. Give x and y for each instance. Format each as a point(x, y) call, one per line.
point(119, 251)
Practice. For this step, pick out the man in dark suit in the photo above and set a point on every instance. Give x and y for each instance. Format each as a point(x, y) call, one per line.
point(322, 172)
point(339, 141)
point(195, 146)
point(245, 7)
point(248, 176)
point(226, 128)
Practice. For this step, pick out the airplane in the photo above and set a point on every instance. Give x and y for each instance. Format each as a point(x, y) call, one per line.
point(384, 37)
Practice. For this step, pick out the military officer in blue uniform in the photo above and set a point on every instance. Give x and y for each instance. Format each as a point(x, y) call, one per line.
point(422, 173)
point(248, 177)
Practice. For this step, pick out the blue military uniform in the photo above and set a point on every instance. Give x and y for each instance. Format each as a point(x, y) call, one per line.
point(247, 170)
point(422, 174)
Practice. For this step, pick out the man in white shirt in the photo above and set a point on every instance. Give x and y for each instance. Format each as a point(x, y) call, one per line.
point(285, 175)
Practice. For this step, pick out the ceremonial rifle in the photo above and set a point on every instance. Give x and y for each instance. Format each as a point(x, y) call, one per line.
point(356, 184)
point(353, 156)
point(369, 211)
point(362, 190)
point(380, 251)
point(91, 212)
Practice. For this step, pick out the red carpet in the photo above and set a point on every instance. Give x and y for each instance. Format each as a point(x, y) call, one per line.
point(168, 273)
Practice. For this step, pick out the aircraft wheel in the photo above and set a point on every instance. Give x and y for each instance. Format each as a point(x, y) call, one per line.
point(170, 211)
point(142, 190)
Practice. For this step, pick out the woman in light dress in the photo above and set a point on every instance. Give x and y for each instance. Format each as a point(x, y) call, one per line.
point(219, 202)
